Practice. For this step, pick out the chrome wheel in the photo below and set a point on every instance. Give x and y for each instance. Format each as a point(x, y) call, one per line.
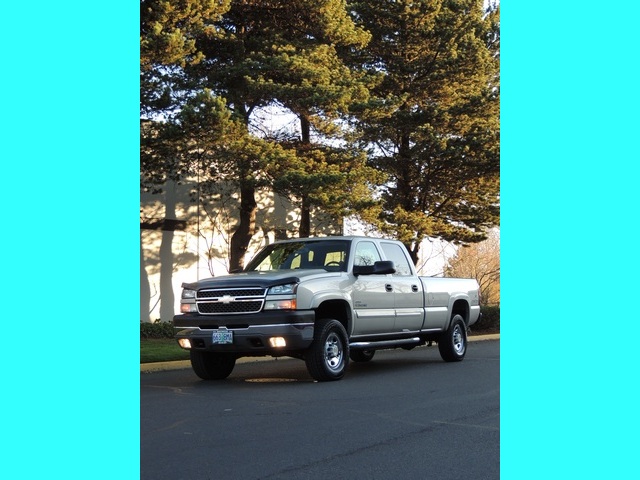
point(333, 352)
point(458, 340)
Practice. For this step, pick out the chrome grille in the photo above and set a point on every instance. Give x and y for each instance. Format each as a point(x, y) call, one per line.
point(221, 301)
point(235, 292)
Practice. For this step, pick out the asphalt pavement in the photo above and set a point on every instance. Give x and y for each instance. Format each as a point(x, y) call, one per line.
point(403, 415)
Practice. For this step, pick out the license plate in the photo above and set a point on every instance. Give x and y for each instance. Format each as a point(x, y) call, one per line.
point(222, 337)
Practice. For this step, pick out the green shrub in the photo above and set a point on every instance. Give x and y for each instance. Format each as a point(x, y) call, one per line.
point(157, 329)
point(490, 320)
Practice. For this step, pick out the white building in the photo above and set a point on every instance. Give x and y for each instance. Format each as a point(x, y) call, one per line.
point(182, 240)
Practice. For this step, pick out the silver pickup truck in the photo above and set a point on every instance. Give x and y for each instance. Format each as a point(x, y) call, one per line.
point(326, 301)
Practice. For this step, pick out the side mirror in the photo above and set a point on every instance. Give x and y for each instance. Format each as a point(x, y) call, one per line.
point(382, 267)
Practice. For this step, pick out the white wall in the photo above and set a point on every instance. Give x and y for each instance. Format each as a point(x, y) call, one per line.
point(188, 258)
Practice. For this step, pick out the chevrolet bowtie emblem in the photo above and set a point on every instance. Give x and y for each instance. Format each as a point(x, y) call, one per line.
point(226, 299)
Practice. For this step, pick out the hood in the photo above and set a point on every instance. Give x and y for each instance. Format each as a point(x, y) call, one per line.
point(259, 279)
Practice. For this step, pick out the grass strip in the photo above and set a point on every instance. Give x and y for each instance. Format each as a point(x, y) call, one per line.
point(161, 350)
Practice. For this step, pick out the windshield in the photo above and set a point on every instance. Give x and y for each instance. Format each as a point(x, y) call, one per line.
point(330, 255)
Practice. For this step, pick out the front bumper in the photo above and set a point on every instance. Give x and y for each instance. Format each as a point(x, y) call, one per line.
point(251, 334)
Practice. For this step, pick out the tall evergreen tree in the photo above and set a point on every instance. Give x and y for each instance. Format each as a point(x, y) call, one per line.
point(280, 51)
point(302, 71)
point(433, 121)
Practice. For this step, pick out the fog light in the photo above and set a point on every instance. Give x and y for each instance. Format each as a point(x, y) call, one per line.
point(276, 342)
point(184, 343)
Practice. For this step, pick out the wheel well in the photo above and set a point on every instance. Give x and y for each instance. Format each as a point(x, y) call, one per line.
point(461, 307)
point(337, 310)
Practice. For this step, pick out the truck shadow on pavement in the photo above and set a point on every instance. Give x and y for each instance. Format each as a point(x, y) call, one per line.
point(290, 371)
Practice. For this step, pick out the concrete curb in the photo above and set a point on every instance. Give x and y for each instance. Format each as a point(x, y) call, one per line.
point(183, 364)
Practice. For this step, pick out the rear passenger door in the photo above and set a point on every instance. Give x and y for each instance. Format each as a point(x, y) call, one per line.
point(409, 302)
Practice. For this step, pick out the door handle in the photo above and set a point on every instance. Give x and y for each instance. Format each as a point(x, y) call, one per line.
point(388, 287)
point(414, 288)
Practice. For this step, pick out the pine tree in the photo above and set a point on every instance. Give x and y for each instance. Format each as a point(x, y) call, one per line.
point(433, 120)
point(283, 52)
point(168, 33)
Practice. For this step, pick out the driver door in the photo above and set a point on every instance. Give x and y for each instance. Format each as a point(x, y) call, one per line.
point(373, 302)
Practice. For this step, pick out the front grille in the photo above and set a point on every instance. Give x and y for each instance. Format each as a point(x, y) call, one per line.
point(236, 307)
point(222, 301)
point(236, 292)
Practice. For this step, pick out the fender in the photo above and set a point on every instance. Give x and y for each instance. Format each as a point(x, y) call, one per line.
point(323, 298)
point(464, 298)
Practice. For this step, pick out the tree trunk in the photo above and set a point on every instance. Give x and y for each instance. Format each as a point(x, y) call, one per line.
point(246, 227)
point(414, 250)
point(248, 206)
point(305, 207)
point(405, 190)
point(305, 219)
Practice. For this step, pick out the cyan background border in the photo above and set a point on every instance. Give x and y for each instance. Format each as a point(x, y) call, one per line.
point(569, 172)
point(70, 255)
point(569, 368)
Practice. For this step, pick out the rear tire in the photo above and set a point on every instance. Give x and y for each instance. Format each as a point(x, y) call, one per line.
point(328, 356)
point(212, 366)
point(453, 343)
point(361, 355)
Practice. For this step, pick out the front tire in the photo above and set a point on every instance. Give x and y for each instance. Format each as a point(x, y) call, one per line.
point(328, 356)
point(212, 366)
point(453, 343)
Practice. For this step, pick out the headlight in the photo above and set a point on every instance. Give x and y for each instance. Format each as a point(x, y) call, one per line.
point(289, 304)
point(289, 289)
point(188, 308)
point(186, 293)
point(280, 303)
